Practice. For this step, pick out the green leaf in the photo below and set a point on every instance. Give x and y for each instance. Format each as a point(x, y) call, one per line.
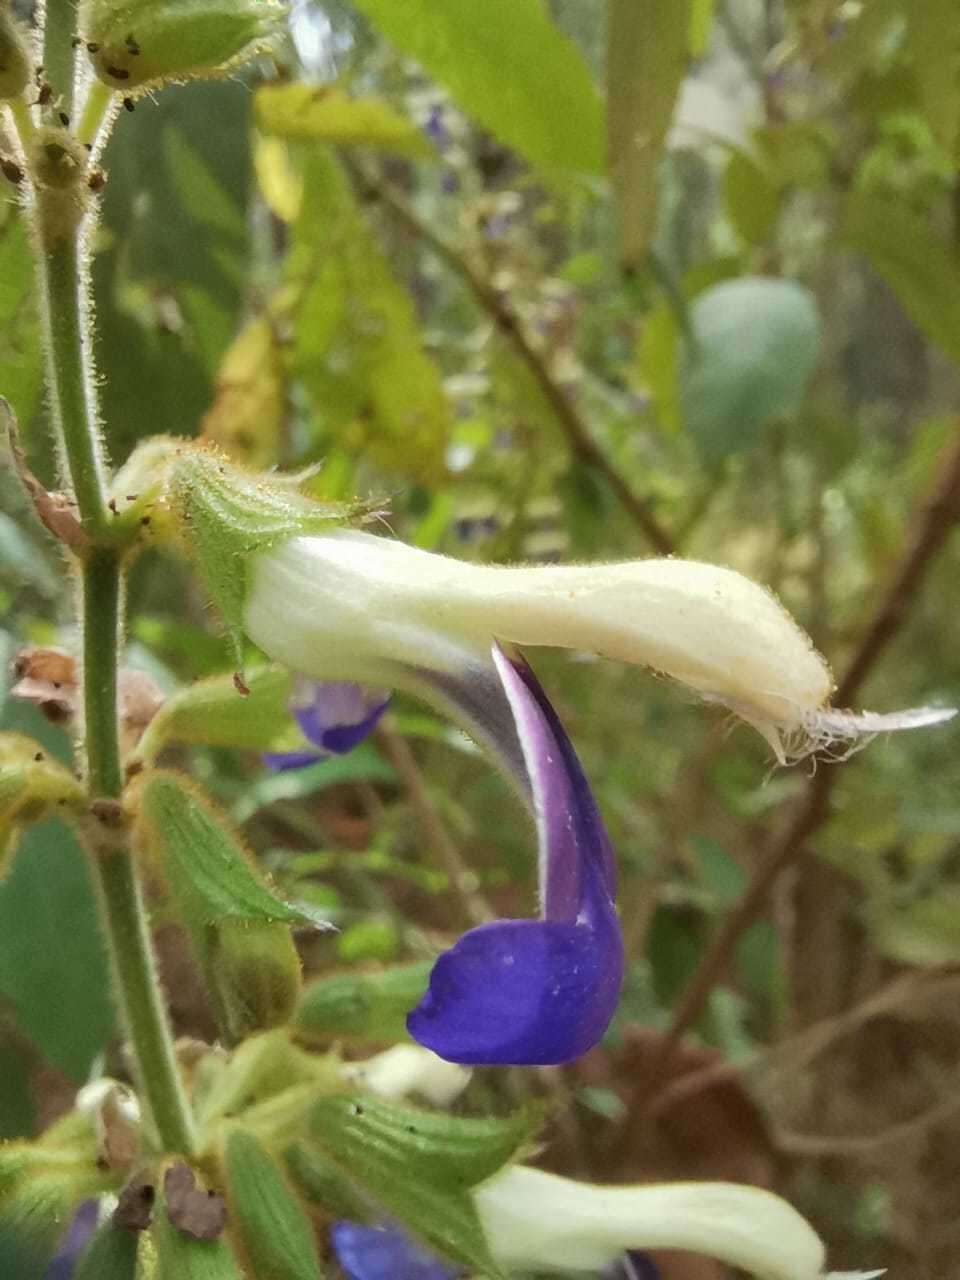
point(420, 1165)
point(19, 332)
point(214, 712)
point(52, 964)
point(933, 44)
point(110, 1255)
point(754, 347)
point(327, 114)
point(31, 786)
point(648, 48)
point(276, 1232)
point(208, 870)
point(508, 66)
point(358, 347)
point(751, 196)
point(918, 266)
point(925, 932)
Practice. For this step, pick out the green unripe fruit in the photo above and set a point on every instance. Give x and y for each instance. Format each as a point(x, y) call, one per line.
point(16, 63)
point(135, 43)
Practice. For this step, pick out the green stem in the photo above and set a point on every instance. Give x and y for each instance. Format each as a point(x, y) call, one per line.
point(114, 870)
point(58, 52)
point(70, 385)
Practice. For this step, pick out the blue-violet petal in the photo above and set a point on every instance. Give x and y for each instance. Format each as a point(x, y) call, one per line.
point(384, 1253)
point(536, 992)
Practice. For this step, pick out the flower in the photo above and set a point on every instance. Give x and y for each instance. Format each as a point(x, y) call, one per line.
point(348, 605)
point(538, 1222)
point(536, 991)
point(334, 715)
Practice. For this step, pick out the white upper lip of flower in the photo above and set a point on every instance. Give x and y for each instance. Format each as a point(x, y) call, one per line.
point(339, 600)
point(538, 1221)
point(348, 605)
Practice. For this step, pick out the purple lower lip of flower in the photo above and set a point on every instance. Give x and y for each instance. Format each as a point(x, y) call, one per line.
point(333, 715)
point(536, 992)
point(384, 1253)
point(74, 1241)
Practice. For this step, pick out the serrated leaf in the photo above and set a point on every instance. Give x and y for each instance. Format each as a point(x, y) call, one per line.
point(508, 66)
point(110, 1255)
point(366, 1006)
point(213, 712)
point(919, 267)
point(647, 51)
point(206, 867)
point(326, 114)
point(419, 1165)
point(358, 349)
point(754, 347)
point(276, 1232)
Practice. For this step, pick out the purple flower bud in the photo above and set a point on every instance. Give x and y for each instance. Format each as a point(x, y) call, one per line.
point(334, 716)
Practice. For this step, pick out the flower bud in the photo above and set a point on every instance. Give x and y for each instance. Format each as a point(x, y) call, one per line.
point(134, 43)
point(16, 63)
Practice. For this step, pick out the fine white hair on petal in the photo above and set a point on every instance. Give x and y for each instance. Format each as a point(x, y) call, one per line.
point(536, 1221)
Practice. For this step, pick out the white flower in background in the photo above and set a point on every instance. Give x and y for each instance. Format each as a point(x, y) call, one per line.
point(408, 1068)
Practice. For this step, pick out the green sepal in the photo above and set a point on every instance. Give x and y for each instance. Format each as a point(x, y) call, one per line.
point(274, 1229)
point(420, 1165)
point(362, 1006)
point(211, 876)
point(110, 1255)
point(136, 43)
point(181, 1257)
point(42, 1182)
point(16, 63)
point(327, 1186)
point(239, 928)
point(31, 786)
point(213, 712)
point(453, 1152)
point(254, 975)
point(225, 516)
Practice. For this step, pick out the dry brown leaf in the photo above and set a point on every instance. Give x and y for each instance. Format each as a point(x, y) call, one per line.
point(197, 1213)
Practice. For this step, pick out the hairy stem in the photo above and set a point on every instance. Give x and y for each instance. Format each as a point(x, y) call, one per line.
point(114, 869)
point(66, 319)
point(70, 383)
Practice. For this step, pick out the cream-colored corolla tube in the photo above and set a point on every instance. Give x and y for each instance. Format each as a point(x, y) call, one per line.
point(349, 604)
point(536, 1221)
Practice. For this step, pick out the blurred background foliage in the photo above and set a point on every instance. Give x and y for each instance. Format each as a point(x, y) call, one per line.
point(562, 281)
